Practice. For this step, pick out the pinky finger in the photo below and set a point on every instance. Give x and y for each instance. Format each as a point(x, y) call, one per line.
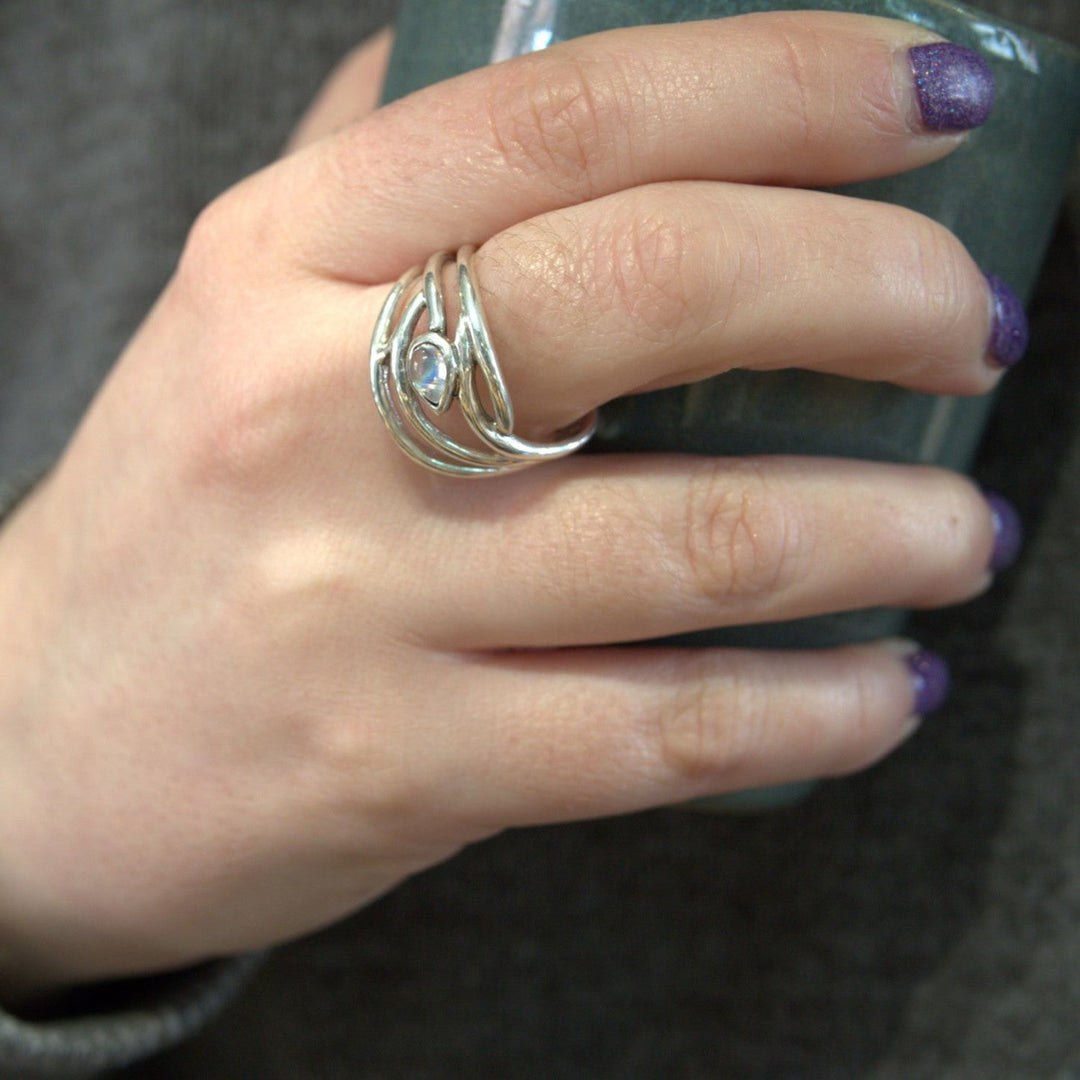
point(594, 732)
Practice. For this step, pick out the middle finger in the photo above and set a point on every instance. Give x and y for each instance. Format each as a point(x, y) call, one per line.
point(670, 283)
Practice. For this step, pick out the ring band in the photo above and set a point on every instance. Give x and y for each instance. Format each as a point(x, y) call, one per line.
point(417, 376)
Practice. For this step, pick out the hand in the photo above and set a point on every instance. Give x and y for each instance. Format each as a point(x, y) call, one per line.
point(259, 667)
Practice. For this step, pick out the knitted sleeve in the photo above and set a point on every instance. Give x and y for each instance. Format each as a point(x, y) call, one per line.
point(110, 1026)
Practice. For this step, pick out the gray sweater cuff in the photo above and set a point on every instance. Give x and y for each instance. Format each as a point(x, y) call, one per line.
point(166, 1010)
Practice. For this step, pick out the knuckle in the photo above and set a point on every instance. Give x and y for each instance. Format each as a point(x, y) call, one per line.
point(342, 167)
point(551, 264)
point(711, 725)
point(941, 266)
point(878, 106)
point(860, 736)
point(246, 432)
point(810, 66)
point(801, 90)
point(860, 727)
point(344, 747)
point(740, 543)
point(633, 269)
point(216, 255)
point(559, 115)
point(945, 297)
point(647, 275)
point(326, 723)
point(249, 413)
point(349, 747)
point(210, 240)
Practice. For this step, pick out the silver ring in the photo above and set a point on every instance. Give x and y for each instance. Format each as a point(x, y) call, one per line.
point(415, 378)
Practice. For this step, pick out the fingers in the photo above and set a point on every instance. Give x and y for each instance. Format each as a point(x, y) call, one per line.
point(625, 548)
point(806, 98)
point(349, 94)
point(670, 283)
point(559, 736)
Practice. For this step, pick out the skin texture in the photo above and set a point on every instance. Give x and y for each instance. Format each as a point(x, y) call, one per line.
point(261, 668)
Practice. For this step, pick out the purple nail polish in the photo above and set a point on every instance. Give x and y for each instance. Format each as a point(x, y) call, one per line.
point(931, 676)
point(1009, 333)
point(1008, 532)
point(954, 85)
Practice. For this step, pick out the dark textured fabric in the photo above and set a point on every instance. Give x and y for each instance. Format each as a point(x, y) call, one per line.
point(921, 920)
point(104, 1028)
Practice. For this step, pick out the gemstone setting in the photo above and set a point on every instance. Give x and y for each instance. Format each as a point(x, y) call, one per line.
point(431, 370)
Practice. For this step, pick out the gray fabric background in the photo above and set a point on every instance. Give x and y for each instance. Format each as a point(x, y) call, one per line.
point(922, 920)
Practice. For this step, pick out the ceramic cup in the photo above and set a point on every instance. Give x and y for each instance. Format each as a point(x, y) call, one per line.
point(999, 193)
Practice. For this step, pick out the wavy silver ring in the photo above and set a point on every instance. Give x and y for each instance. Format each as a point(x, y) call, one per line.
point(417, 377)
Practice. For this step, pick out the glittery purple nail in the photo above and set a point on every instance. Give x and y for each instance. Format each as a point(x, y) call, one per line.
point(954, 85)
point(1009, 333)
point(1008, 532)
point(930, 674)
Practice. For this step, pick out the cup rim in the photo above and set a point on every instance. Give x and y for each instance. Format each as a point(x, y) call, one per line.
point(974, 13)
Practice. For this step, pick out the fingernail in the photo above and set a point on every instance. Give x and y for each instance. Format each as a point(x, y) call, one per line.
point(1008, 532)
point(954, 86)
point(1009, 332)
point(930, 675)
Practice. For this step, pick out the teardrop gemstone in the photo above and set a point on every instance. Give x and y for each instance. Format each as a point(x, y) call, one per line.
point(429, 374)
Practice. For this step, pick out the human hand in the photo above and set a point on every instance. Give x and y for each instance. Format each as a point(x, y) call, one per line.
point(261, 668)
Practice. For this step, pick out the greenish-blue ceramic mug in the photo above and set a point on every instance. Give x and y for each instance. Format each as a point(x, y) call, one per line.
point(999, 193)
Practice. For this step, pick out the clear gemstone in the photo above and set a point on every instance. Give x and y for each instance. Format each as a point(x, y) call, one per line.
point(429, 373)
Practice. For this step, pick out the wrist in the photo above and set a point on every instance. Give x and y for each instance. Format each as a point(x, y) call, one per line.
point(36, 958)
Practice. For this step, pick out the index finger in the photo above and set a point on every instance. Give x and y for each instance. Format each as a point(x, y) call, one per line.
point(805, 98)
